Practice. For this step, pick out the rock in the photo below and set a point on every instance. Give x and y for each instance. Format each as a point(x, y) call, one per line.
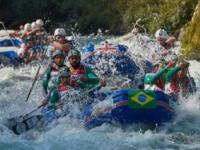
point(190, 36)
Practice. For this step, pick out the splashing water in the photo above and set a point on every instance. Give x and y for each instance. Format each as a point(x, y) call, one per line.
point(182, 133)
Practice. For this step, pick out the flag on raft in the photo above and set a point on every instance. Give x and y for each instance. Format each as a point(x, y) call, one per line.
point(141, 99)
point(106, 47)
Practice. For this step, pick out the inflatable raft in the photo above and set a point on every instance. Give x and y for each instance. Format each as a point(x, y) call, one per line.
point(128, 106)
point(8, 56)
point(10, 42)
point(110, 59)
point(131, 106)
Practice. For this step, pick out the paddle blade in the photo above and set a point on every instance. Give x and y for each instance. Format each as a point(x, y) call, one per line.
point(23, 125)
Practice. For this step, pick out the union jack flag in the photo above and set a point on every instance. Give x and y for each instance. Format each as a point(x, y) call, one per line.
point(106, 48)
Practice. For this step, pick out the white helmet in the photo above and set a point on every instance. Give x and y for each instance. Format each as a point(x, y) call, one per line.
point(39, 22)
point(99, 30)
point(34, 25)
point(161, 33)
point(70, 38)
point(59, 31)
point(27, 27)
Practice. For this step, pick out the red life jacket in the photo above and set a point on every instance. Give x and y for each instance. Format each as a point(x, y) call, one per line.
point(76, 74)
point(174, 85)
point(63, 89)
point(160, 84)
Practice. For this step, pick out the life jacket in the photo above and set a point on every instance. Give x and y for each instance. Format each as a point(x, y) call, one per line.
point(172, 86)
point(160, 84)
point(63, 90)
point(53, 75)
point(24, 51)
point(76, 74)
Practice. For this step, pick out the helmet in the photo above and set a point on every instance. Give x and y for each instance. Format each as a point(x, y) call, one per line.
point(99, 30)
point(90, 47)
point(74, 52)
point(161, 33)
point(64, 72)
point(27, 27)
point(57, 52)
point(148, 78)
point(34, 25)
point(39, 22)
point(160, 61)
point(148, 66)
point(70, 38)
point(59, 31)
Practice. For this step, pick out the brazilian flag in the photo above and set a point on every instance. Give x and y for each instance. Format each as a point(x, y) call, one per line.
point(141, 99)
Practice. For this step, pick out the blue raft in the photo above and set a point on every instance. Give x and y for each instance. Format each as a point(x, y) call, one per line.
point(10, 42)
point(115, 58)
point(8, 57)
point(128, 106)
point(132, 106)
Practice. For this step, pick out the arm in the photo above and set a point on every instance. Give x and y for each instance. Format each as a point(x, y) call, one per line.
point(159, 74)
point(46, 79)
point(92, 77)
point(152, 78)
point(171, 73)
point(64, 47)
point(89, 80)
point(53, 97)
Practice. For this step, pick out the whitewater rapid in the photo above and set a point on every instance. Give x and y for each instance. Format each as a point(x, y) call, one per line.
point(15, 83)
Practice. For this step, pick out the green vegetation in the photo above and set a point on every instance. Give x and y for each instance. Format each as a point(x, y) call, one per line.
point(190, 36)
point(118, 16)
point(87, 16)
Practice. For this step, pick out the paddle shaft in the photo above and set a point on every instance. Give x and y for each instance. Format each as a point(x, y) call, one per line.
point(35, 79)
point(24, 116)
point(8, 34)
point(190, 82)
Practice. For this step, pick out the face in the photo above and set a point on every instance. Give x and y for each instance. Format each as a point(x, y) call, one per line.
point(60, 38)
point(59, 60)
point(74, 61)
point(30, 44)
point(161, 41)
point(21, 27)
point(156, 68)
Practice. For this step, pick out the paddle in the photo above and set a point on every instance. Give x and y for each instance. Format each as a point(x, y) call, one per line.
point(7, 33)
point(35, 79)
point(33, 83)
point(26, 122)
point(191, 82)
point(19, 118)
point(34, 110)
point(12, 122)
